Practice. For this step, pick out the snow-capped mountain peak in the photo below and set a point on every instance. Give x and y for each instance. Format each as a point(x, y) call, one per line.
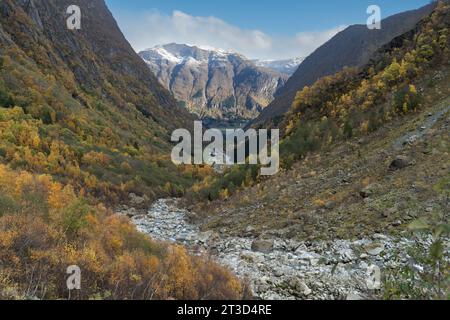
point(213, 82)
point(288, 66)
point(181, 53)
point(177, 54)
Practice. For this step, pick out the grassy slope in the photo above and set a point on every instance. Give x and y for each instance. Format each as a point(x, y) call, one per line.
point(320, 196)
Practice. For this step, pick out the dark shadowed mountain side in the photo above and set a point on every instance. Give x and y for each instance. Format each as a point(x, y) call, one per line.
point(352, 47)
point(214, 83)
point(96, 55)
point(99, 117)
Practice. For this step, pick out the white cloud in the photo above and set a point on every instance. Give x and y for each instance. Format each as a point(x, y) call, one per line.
point(155, 28)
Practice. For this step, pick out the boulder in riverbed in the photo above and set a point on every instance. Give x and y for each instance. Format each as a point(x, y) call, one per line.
point(138, 201)
point(264, 246)
point(300, 287)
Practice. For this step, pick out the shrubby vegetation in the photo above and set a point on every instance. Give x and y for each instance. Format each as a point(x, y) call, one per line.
point(43, 129)
point(46, 227)
point(214, 187)
point(357, 102)
point(428, 275)
point(79, 127)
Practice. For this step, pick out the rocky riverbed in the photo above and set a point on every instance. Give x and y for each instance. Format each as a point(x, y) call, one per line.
point(284, 269)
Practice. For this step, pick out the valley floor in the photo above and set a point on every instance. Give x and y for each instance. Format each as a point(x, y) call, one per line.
point(286, 269)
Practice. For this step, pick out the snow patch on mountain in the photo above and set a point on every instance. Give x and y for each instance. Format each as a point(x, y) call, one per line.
point(159, 52)
point(284, 66)
point(183, 54)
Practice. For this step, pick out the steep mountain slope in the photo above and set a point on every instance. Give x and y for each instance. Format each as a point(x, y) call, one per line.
point(404, 78)
point(88, 109)
point(366, 162)
point(82, 118)
point(213, 83)
point(352, 47)
point(284, 66)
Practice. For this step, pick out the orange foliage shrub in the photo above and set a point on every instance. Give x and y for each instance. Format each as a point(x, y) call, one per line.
point(45, 228)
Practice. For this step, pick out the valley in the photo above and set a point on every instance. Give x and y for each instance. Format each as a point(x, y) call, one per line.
point(358, 207)
point(289, 247)
point(224, 124)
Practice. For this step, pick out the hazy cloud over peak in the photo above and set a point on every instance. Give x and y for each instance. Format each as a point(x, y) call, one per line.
point(154, 28)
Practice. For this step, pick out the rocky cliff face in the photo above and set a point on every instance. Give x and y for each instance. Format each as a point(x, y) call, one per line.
point(214, 83)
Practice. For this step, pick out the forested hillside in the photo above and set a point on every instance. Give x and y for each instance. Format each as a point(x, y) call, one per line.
point(82, 120)
point(359, 101)
point(81, 105)
point(353, 47)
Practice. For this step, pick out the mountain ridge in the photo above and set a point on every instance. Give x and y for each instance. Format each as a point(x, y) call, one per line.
point(213, 83)
point(84, 126)
point(352, 47)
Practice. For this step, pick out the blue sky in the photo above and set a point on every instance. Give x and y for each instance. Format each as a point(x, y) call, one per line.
point(268, 29)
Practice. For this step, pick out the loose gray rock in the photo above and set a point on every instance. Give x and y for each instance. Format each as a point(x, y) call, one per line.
point(354, 297)
point(129, 212)
point(374, 249)
point(400, 162)
point(369, 190)
point(264, 246)
point(300, 287)
point(136, 200)
point(288, 269)
point(397, 223)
